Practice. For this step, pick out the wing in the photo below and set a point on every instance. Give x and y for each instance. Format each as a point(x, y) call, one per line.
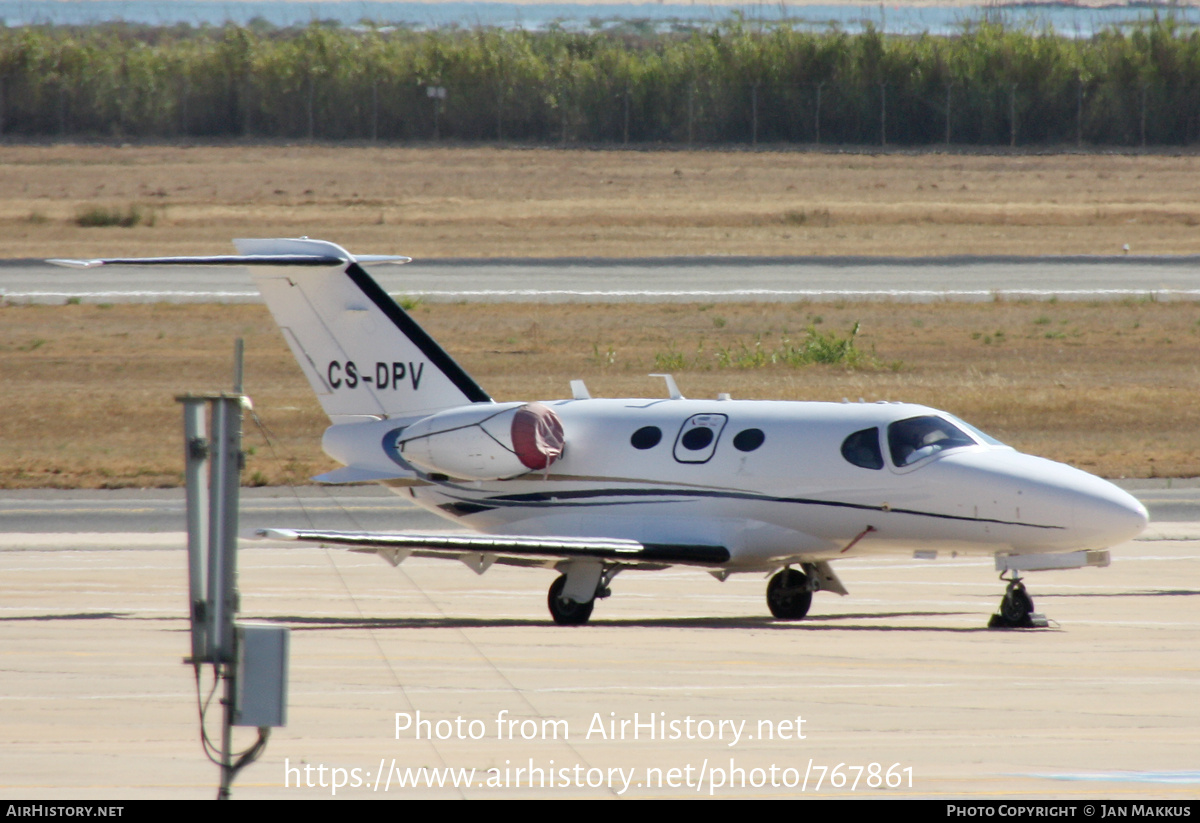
point(481, 550)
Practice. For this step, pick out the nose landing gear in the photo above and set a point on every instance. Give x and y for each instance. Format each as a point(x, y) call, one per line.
point(1016, 608)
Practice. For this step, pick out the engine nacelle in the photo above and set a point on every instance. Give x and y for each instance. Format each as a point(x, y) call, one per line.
point(485, 442)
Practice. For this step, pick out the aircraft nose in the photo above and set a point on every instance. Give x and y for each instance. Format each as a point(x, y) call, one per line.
point(1068, 508)
point(1109, 513)
point(1099, 514)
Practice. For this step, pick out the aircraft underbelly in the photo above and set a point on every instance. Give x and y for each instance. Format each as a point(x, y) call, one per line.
point(755, 531)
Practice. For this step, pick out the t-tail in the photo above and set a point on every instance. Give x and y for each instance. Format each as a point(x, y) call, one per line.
point(363, 355)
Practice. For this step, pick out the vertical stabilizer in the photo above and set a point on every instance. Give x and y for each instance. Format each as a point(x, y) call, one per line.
point(362, 353)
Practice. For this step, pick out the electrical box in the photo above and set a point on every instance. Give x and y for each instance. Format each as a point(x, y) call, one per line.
point(261, 698)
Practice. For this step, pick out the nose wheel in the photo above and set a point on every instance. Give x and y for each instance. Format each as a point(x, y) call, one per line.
point(1016, 609)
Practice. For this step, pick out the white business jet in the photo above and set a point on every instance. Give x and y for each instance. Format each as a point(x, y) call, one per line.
point(591, 487)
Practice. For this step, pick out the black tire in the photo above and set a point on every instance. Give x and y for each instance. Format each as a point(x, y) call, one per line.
point(1016, 606)
point(567, 612)
point(788, 595)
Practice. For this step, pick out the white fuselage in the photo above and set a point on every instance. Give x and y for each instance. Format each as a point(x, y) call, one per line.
point(771, 481)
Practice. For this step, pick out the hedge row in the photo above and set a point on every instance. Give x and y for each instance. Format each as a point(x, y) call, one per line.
point(987, 85)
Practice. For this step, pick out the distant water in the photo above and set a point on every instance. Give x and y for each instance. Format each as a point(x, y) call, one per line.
point(1064, 18)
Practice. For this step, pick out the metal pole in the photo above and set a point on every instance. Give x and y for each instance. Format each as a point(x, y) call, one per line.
point(239, 352)
point(196, 466)
point(222, 526)
point(228, 671)
point(213, 470)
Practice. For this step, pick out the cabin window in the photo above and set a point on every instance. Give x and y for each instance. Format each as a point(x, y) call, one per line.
point(862, 449)
point(748, 440)
point(916, 438)
point(647, 437)
point(696, 439)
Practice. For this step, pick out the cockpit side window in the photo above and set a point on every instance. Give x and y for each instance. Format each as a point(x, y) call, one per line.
point(919, 437)
point(862, 449)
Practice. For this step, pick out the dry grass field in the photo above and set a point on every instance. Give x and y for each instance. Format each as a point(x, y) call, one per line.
point(488, 202)
point(1110, 387)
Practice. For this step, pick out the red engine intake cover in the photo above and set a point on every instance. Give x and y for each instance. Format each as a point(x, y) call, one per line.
point(537, 436)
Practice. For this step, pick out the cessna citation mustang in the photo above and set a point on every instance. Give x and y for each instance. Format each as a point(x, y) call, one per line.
point(592, 487)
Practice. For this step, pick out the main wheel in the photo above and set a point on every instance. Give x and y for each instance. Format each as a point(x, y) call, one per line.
point(567, 612)
point(788, 595)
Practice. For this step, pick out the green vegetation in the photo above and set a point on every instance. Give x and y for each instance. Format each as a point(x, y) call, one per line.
point(815, 348)
point(987, 85)
point(670, 361)
point(93, 216)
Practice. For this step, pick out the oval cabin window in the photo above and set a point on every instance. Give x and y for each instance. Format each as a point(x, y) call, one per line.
point(646, 437)
point(749, 440)
point(697, 438)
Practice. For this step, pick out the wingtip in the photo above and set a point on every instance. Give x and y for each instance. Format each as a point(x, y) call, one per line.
point(274, 534)
point(395, 259)
point(75, 264)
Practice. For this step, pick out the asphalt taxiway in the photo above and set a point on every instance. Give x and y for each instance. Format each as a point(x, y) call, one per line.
point(1080, 277)
point(680, 686)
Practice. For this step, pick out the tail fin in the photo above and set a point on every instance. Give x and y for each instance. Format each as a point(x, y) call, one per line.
point(363, 354)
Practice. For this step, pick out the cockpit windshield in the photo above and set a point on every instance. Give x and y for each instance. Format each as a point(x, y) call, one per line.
point(916, 438)
point(967, 427)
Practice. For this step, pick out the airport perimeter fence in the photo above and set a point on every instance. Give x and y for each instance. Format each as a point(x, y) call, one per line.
point(985, 87)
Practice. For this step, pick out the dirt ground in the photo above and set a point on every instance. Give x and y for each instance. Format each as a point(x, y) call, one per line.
point(544, 202)
point(1109, 387)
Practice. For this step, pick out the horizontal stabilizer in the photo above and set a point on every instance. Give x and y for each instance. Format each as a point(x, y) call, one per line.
point(215, 260)
point(452, 545)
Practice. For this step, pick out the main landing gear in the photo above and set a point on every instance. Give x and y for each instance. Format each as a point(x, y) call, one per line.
point(567, 611)
point(564, 610)
point(789, 594)
point(1016, 609)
